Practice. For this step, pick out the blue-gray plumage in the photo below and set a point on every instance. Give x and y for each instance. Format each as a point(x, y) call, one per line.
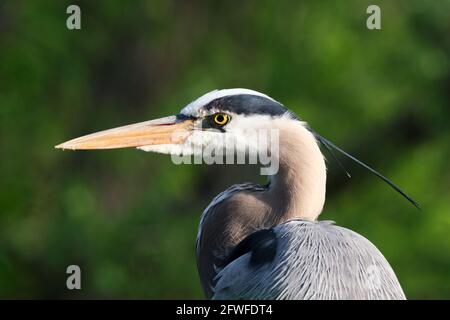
point(264, 241)
point(295, 259)
point(312, 260)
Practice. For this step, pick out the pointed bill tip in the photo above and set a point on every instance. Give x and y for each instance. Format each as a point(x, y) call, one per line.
point(66, 146)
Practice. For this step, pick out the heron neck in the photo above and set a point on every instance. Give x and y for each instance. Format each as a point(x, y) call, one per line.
point(299, 187)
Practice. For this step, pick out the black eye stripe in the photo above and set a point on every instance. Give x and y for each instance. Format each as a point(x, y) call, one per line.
point(247, 104)
point(181, 117)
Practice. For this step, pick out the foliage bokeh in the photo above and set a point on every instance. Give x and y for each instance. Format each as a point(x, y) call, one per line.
point(129, 219)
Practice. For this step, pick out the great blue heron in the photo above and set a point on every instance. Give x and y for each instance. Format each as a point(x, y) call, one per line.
point(264, 241)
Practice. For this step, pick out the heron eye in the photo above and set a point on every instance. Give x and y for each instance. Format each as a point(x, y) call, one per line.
point(221, 119)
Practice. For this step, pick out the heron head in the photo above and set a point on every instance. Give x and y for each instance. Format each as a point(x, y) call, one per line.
point(221, 121)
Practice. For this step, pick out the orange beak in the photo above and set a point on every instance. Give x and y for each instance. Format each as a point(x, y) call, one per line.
point(168, 130)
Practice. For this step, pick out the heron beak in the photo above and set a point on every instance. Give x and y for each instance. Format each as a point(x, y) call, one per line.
point(168, 130)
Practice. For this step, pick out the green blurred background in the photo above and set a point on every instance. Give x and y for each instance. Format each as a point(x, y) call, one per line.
point(129, 219)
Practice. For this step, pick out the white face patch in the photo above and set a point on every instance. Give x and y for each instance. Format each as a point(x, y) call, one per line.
point(192, 109)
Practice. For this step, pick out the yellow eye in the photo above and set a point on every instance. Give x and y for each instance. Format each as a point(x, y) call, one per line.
point(221, 119)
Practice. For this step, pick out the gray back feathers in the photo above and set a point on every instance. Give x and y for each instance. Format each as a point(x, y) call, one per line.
point(313, 260)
